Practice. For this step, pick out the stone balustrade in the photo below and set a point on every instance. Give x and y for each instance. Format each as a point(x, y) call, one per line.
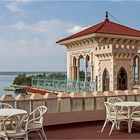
point(70, 107)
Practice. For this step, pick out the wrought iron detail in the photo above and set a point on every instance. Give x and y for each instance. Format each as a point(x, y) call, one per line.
point(65, 85)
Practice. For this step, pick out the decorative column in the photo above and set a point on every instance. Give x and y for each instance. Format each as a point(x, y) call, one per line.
point(131, 77)
point(112, 75)
point(91, 72)
point(72, 72)
point(68, 65)
point(134, 71)
point(85, 65)
point(75, 72)
point(72, 69)
point(139, 70)
point(91, 67)
point(78, 67)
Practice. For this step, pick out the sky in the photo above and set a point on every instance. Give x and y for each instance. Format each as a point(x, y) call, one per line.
point(29, 29)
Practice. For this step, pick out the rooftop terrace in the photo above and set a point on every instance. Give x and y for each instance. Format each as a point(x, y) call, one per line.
point(88, 130)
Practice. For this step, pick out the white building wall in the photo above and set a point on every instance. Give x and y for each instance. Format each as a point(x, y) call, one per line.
point(96, 66)
point(68, 64)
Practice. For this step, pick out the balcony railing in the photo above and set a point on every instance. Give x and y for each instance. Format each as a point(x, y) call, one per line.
point(65, 85)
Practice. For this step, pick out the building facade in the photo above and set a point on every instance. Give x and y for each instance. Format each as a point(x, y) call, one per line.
point(110, 52)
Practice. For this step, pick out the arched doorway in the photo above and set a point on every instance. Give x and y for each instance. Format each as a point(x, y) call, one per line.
point(105, 80)
point(122, 79)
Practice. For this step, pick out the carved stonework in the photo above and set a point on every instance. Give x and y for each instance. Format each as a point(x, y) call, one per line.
point(103, 51)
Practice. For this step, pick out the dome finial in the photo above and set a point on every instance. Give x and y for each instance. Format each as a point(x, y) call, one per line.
point(106, 16)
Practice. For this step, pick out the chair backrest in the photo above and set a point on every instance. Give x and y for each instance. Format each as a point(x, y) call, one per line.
point(113, 100)
point(135, 111)
point(16, 125)
point(111, 110)
point(5, 106)
point(37, 114)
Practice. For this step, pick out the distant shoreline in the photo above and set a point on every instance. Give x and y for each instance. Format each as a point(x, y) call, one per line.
point(30, 72)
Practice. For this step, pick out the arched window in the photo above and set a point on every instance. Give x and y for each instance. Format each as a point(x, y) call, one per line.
point(122, 79)
point(136, 70)
point(105, 80)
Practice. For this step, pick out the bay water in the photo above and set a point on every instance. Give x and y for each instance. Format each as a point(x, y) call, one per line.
point(7, 78)
point(6, 81)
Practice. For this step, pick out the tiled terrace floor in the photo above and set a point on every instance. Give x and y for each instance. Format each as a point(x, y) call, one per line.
point(88, 130)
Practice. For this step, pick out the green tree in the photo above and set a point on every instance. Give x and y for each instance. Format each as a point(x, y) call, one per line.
point(58, 75)
point(22, 79)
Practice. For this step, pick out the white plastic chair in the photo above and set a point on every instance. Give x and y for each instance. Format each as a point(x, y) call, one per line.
point(135, 116)
point(16, 129)
point(113, 116)
point(36, 121)
point(5, 106)
point(114, 100)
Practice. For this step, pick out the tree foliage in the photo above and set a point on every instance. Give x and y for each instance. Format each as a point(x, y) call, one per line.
point(57, 76)
point(22, 79)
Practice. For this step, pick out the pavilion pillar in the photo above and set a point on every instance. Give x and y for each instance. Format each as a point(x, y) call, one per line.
point(75, 72)
point(78, 67)
point(73, 66)
point(91, 67)
point(78, 72)
point(134, 71)
point(139, 70)
point(91, 72)
point(72, 72)
point(85, 65)
point(85, 73)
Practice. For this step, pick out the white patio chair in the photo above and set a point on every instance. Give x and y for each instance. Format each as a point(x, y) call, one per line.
point(114, 100)
point(113, 116)
point(135, 115)
point(16, 131)
point(36, 121)
point(5, 106)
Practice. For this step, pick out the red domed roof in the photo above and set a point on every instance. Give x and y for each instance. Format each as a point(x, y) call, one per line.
point(106, 27)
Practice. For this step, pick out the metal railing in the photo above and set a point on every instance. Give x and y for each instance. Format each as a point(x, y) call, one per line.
point(64, 85)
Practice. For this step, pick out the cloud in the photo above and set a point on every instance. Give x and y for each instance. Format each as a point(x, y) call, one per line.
point(32, 46)
point(14, 5)
point(41, 26)
point(76, 29)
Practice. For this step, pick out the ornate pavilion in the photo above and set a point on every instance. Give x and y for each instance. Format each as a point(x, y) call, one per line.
point(110, 51)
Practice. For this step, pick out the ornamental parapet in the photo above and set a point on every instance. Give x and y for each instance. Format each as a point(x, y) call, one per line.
point(105, 49)
point(8, 99)
point(23, 102)
point(130, 95)
point(115, 49)
point(70, 107)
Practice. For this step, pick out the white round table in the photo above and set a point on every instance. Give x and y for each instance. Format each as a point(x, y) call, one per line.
point(129, 105)
point(9, 112)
